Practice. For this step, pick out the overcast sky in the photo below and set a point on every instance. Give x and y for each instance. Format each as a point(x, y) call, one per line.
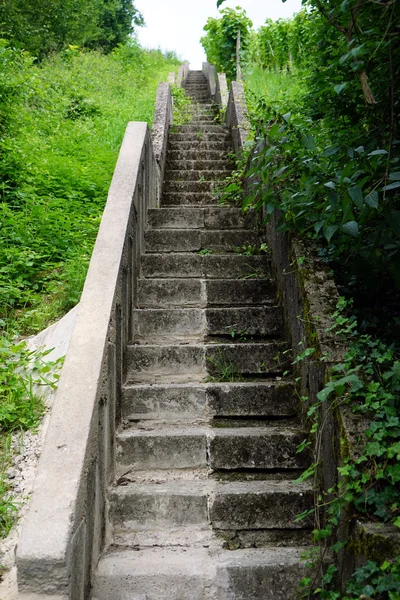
point(178, 24)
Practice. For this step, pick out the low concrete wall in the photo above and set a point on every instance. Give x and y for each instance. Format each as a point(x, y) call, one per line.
point(183, 72)
point(163, 118)
point(236, 116)
point(64, 530)
point(216, 84)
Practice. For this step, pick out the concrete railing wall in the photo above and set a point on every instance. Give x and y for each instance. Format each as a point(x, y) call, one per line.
point(183, 72)
point(163, 118)
point(216, 84)
point(64, 530)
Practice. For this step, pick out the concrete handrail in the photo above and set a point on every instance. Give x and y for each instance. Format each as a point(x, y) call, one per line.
point(63, 533)
point(236, 116)
point(216, 84)
point(163, 118)
point(183, 72)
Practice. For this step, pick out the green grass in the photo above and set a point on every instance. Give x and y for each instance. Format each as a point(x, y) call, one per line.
point(61, 127)
point(282, 90)
point(58, 160)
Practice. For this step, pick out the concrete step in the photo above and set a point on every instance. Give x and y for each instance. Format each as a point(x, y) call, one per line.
point(190, 175)
point(195, 447)
point(198, 165)
point(200, 218)
point(188, 199)
point(240, 505)
point(193, 186)
point(195, 128)
point(228, 361)
point(199, 574)
point(192, 401)
point(197, 154)
point(201, 136)
point(194, 240)
point(161, 293)
point(218, 266)
point(199, 145)
point(175, 324)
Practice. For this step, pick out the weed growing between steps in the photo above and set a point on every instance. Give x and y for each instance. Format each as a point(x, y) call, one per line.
point(367, 384)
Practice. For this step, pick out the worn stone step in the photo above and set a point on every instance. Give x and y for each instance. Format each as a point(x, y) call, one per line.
point(159, 505)
point(166, 448)
point(189, 154)
point(195, 128)
point(228, 361)
point(239, 505)
point(183, 175)
point(256, 448)
point(189, 199)
point(217, 266)
point(199, 145)
point(175, 324)
point(154, 574)
point(190, 447)
point(200, 218)
point(187, 166)
point(193, 186)
point(190, 400)
point(195, 240)
point(202, 136)
point(161, 293)
point(259, 505)
point(200, 574)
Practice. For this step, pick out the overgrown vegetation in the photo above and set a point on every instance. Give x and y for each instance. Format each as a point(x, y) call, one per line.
point(323, 95)
point(62, 119)
point(63, 123)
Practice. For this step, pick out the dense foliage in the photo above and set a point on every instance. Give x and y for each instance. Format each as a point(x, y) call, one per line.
point(62, 126)
point(323, 92)
point(44, 26)
point(220, 40)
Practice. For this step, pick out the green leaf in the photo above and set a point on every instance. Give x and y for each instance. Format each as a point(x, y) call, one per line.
point(372, 199)
point(351, 228)
point(391, 186)
point(394, 176)
point(377, 152)
point(356, 195)
point(329, 231)
point(309, 142)
point(339, 87)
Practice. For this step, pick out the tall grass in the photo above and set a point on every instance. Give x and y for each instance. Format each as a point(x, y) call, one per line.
point(61, 127)
point(58, 156)
point(281, 89)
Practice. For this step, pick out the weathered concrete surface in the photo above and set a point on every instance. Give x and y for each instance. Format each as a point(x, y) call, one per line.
point(51, 553)
point(165, 448)
point(201, 574)
point(163, 118)
point(236, 116)
point(256, 448)
point(259, 505)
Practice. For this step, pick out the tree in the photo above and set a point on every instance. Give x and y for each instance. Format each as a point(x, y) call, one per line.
point(221, 36)
point(45, 26)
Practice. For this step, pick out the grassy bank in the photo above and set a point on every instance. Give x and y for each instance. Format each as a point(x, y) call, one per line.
point(61, 126)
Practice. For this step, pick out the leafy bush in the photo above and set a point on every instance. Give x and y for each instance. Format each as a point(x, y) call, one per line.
point(64, 123)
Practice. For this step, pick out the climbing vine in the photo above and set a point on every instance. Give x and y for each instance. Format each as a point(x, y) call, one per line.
point(367, 384)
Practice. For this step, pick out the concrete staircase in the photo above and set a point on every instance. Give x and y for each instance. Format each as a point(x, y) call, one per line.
point(203, 506)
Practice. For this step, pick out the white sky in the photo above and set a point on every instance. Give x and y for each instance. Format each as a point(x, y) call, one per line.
point(178, 24)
